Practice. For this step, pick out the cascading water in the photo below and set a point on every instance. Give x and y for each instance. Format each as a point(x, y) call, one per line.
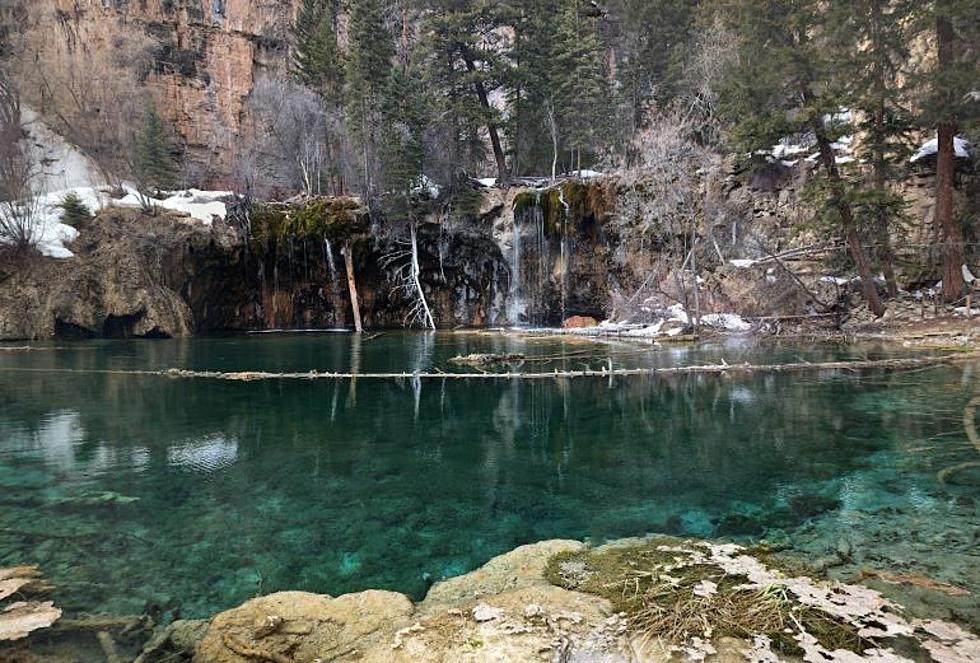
point(331, 263)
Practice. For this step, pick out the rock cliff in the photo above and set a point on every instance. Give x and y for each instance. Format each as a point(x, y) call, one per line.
point(202, 62)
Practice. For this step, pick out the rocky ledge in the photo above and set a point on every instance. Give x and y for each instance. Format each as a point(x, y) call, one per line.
point(133, 275)
point(648, 600)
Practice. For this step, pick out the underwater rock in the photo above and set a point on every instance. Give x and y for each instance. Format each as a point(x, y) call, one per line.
point(808, 506)
point(737, 524)
point(177, 642)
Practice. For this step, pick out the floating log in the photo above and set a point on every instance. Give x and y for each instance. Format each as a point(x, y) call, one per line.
point(711, 369)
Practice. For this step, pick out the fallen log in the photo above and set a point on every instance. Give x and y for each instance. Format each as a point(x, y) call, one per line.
point(710, 369)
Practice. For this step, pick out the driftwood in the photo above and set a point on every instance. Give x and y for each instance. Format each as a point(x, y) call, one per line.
point(487, 359)
point(711, 369)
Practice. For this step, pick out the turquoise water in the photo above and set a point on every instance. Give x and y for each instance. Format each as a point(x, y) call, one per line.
point(145, 494)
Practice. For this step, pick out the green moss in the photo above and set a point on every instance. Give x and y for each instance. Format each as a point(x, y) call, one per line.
point(335, 219)
point(657, 596)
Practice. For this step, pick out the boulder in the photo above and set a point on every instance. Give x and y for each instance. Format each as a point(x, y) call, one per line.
point(300, 626)
point(580, 322)
point(521, 567)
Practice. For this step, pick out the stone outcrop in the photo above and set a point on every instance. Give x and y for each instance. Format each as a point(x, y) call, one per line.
point(132, 276)
point(205, 57)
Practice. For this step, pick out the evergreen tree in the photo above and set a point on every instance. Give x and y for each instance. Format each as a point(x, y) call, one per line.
point(951, 105)
point(582, 94)
point(155, 167)
point(873, 38)
point(786, 84)
point(367, 76)
point(468, 64)
point(532, 87)
point(317, 61)
point(73, 210)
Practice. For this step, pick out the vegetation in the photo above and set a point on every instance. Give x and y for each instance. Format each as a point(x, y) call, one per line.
point(666, 593)
point(74, 211)
point(154, 165)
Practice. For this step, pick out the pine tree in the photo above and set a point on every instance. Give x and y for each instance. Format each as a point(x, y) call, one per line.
point(317, 60)
point(73, 210)
point(367, 76)
point(874, 36)
point(582, 92)
point(468, 65)
point(784, 85)
point(949, 91)
point(155, 167)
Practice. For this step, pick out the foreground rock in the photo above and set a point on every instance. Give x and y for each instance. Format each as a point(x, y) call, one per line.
point(562, 601)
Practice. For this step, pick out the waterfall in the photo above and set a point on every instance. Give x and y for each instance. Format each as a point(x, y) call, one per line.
point(516, 306)
point(563, 274)
point(328, 253)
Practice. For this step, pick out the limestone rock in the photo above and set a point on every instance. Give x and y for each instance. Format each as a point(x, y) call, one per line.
point(310, 626)
point(522, 567)
point(132, 276)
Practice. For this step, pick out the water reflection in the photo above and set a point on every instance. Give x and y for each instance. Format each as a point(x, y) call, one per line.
point(334, 486)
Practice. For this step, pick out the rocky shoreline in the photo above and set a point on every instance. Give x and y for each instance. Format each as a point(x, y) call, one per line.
point(649, 600)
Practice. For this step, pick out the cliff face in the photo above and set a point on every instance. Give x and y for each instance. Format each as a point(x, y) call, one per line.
point(204, 58)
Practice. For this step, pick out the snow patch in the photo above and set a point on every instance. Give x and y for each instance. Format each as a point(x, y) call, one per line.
point(960, 145)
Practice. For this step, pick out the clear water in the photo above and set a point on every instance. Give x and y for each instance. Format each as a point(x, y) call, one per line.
point(186, 497)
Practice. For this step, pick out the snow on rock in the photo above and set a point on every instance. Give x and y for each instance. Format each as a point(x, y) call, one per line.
point(427, 186)
point(200, 205)
point(928, 149)
point(62, 165)
point(487, 182)
point(740, 263)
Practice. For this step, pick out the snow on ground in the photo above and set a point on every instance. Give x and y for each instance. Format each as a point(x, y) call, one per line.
point(674, 314)
point(64, 169)
point(200, 205)
point(929, 148)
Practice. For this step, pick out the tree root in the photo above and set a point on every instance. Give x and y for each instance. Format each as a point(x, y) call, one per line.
point(247, 651)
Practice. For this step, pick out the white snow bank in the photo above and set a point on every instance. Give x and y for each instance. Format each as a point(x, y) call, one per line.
point(487, 182)
point(200, 205)
point(960, 145)
point(742, 263)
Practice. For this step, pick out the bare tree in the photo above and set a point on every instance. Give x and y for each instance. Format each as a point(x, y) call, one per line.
point(21, 222)
point(404, 261)
point(298, 138)
point(672, 168)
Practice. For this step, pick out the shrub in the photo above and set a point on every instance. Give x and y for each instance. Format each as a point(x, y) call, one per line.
point(73, 210)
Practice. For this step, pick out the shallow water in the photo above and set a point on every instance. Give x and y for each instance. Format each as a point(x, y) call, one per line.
point(186, 497)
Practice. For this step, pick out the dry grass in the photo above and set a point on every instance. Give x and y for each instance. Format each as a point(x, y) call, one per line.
point(664, 597)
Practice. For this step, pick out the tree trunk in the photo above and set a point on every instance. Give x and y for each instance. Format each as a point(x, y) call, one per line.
point(352, 286)
point(950, 232)
point(847, 219)
point(880, 166)
point(427, 319)
point(498, 151)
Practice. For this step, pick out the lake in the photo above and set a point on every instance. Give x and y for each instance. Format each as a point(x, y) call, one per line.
point(141, 493)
